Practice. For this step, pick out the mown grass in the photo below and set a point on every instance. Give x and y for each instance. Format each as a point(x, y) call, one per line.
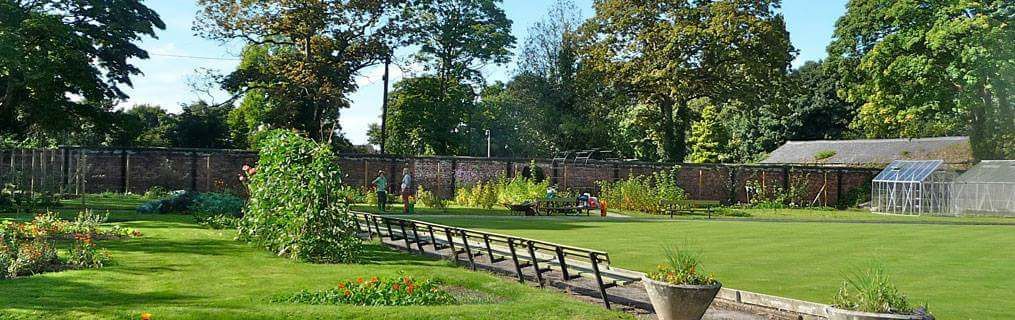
point(960, 271)
point(180, 270)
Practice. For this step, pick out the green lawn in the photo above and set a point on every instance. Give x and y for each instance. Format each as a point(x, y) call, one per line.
point(961, 271)
point(180, 270)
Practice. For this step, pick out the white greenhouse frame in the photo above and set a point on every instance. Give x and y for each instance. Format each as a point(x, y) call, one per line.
point(987, 188)
point(912, 187)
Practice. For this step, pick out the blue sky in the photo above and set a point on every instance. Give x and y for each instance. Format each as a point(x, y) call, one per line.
point(167, 73)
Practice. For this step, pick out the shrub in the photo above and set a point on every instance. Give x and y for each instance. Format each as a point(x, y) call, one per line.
point(214, 203)
point(643, 193)
point(518, 190)
point(85, 254)
point(682, 267)
point(295, 209)
point(33, 256)
point(177, 202)
point(353, 195)
point(377, 292)
point(854, 197)
point(431, 200)
point(155, 193)
point(871, 290)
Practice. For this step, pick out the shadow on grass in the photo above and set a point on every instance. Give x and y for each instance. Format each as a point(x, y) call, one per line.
point(65, 294)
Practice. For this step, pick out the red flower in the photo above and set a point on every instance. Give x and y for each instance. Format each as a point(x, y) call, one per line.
point(410, 288)
point(395, 286)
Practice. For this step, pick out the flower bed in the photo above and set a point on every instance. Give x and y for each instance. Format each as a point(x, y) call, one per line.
point(28, 248)
point(404, 291)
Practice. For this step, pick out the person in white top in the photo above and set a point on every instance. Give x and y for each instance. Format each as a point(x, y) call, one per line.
point(408, 189)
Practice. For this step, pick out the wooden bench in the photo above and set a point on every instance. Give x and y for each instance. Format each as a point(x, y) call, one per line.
point(689, 207)
point(565, 206)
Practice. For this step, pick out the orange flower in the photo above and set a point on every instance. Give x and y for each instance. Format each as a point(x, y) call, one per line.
point(360, 280)
point(406, 280)
point(373, 279)
point(146, 316)
point(395, 286)
point(410, 288)
point(341, 285)
point(348, 293)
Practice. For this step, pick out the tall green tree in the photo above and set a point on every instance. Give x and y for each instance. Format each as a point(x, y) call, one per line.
point(54, 52)
point(201, 125)
point(928, 68)
point(817, 110)
point(425, 117)
point(667, 53)
point(457, 37)
point(149, 126)
point(304, 55)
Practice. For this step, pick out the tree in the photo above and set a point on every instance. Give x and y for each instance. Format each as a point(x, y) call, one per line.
point(928, 68)
point(426, 119)
point(202, 126)
point(51, 51)
point(817, 110)
point(148, 126)
point(667, 53)
point(304, 56)
point(457, 37)
point(709, 139)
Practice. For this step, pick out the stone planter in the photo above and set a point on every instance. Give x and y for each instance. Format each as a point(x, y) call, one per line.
point(679, 302)
point(840, 314)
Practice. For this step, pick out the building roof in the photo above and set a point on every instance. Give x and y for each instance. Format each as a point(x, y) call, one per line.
point(954, 151)
point(1001, 171)
point(908, 171)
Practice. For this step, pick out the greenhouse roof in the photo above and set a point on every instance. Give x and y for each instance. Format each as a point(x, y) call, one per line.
point(908, 171)
point(990, 171)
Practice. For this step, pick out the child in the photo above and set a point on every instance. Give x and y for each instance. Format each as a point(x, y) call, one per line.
point(381, 186)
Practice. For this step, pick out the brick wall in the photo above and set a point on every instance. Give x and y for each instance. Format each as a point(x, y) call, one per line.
point(77, 170)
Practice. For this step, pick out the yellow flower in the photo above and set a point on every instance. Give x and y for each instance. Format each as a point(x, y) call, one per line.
point(146, 316)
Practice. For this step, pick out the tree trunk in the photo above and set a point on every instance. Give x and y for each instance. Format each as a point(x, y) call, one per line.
point(669, 142)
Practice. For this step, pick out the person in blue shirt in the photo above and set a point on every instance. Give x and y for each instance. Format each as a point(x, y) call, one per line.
point(381, 186)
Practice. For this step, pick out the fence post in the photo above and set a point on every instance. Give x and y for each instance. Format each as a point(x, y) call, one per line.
point(535, 263)
point(599, 279)
point(468, 249)
point(193, 171)
point(514, 257)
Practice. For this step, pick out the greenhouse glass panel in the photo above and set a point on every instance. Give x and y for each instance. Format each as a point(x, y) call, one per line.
point(912, 187)
point(988, 188)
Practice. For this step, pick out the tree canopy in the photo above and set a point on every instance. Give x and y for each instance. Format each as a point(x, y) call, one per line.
point(929, 68)
point(667, 53)
point(60, 60)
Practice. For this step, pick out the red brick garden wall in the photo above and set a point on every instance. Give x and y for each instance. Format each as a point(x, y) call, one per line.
point(77, 170)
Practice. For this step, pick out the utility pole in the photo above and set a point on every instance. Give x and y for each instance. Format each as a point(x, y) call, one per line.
point(384, 103)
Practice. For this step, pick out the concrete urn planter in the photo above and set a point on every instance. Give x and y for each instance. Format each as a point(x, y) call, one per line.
point(840, 314)
point(679, 302)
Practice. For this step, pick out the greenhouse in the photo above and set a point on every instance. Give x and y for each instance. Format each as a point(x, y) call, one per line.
point(912, 187)
point(988, 188)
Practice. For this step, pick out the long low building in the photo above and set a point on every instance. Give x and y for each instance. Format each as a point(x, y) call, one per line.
point(955, 151)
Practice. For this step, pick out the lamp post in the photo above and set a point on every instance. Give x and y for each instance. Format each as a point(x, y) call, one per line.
point(384, 103)
point(487, 143)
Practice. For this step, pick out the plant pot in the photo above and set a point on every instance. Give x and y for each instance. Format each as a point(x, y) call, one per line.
point(679, 302)
point(841, 314)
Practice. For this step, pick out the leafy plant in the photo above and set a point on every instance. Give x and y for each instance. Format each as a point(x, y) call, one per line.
point(85, 254)
point(295, 209)
point(405, 291)
point(155, 193)
point(854, 197)
point(824, 154)
point(682, 267)
point(431, 200)
point(871, 290)
point(643, 193)
point(214, 203)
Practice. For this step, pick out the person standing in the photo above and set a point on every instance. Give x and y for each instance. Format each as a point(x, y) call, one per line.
point(381, 186)
point(408, 189)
